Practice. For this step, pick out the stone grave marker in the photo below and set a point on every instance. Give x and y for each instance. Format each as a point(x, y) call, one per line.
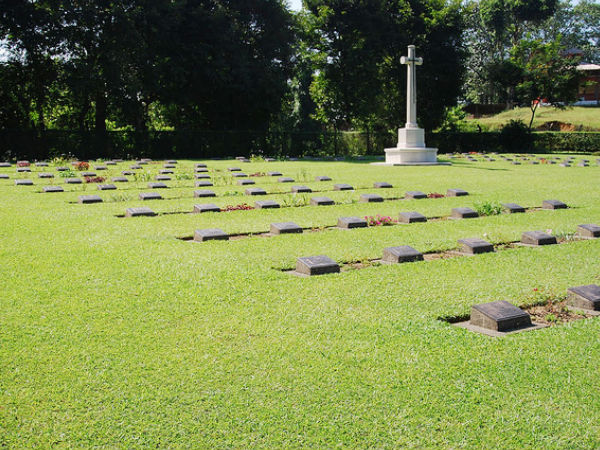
point(206, 207)
point(463, 213)
point(204, 193)
point(127, 172)
point(107, 187)
point(245, 182)
point(171, 161)
point(269, 160)
point(88, 174)
point(513, 208)
point(165, 172)
point(200, 165)
point(150, 196)
point(110, 163)
point(475, 246)
point(162, 178)
point(62, 169)
point(301, 189)
point(46, 175)
point(203, 183)
point(255, 191)
point(456, 193)
point(100, 168)
point(169, 166)
point(234, 169)
point(50, 189)
point(201, 170)
point(537, 238)
point(41, 164)
point(322, 178)
point(499, 316)
point(285, 180)
point(351, 222)
point(401, 254)
point(23, 169)
point(73, 180)
point(266, 204)
point(589, 230)
point(202, 176)
point(119, 180)
point(285, 228)
point(239, 175)
point(553, 204)
point(274, 174)
point(5, 164)
point(135, 167)
point(584, 297)
point(157, 186)
point(139, 212)
point(416, 194)
point(411, 217)
point(382, 185)
point(316, 265)
point(342, 187)
point(210, 234)
point(321, 201)
point(4, 176)
point(370, 198)
point(23, 182)
point(85, 199)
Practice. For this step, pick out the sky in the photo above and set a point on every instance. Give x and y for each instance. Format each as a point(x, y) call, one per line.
point(296, 5)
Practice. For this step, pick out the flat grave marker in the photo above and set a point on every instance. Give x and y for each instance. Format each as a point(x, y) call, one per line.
point(316, 265)
point(342, 187)
point(50, 189)
point(139, 212)
point(46, 175)
point(255, 191)
point(245, 182)
point(119, 180)
point(589, 230)
point(285, 180)
point(210, 234)
point(456, 193)
point(370, 198)
point(500, 316)
point(285, 228)
point(206, 207)
point(416, 195)
point(203, 183)
point(23, 183)
point(382, 185)
point(536, 238)
point(162, 178)
point(513, 208)
point(322, 178)
point(553, 204)
point(463, 213)
point(301, 189)
point(321, 201)
point(204, 193)
point(86, 199)
point(157, 186)
point(239, 175)
point(401, 254)
point(411, 217)
point(584, 297)
point(274, 174)
point(106, 187)
point(351, 222)
point(266, 204)
point(475, 246)
point(73, 180)
point(150, 196)
point(4, 176)
point(202, 176)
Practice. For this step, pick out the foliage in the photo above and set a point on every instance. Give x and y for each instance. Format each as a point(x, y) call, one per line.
point(379, 220)
point(547, 74)
point(487, 208)
point(515, 136)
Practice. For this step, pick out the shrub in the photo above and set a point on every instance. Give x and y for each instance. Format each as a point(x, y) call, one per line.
point(488, 208)
point(81, 165)
point(378, 220)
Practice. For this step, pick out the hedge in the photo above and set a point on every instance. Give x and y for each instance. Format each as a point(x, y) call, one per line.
point(17, 144)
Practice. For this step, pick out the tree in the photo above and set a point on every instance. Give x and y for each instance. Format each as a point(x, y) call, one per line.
point(547, 74)
point(358, 44)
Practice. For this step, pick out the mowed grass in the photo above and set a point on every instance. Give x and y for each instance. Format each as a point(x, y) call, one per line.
point(583, 118)
point(115, 334)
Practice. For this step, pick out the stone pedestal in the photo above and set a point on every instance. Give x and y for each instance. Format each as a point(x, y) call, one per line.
point(411, 150)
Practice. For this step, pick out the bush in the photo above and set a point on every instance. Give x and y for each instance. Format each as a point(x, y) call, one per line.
point(516, 136)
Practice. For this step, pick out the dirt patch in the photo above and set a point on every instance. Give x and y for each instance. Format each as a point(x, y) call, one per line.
point(555, 313)
point(556, 125)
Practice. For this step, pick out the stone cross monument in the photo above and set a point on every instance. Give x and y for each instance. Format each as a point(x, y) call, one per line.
point(411, 149)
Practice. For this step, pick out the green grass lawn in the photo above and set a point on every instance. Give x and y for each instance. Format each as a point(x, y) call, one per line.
point(583, 118)
point(115, 334)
